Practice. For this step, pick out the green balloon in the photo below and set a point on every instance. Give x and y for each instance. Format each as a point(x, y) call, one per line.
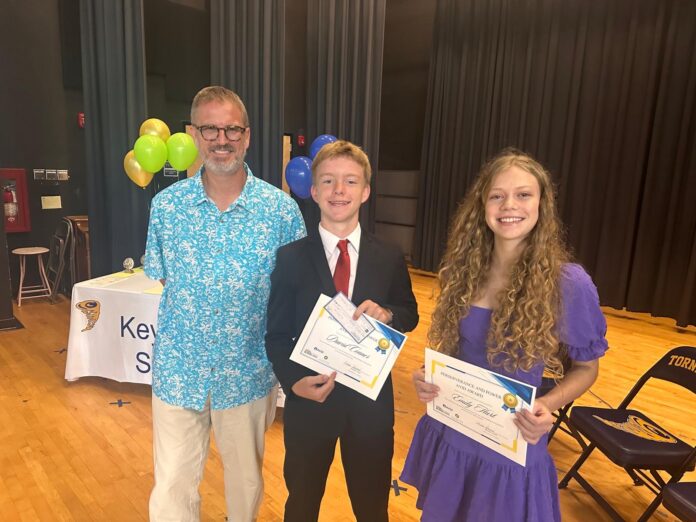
point(182, 151)
point(151, 152)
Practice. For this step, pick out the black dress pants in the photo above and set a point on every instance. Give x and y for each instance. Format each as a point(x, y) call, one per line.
point(365, 429)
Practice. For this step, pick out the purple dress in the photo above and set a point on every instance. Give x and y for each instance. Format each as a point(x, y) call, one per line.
point(459, 479)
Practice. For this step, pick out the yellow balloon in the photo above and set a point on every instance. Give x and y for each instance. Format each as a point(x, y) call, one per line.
point(135, 172)
point(155, 127)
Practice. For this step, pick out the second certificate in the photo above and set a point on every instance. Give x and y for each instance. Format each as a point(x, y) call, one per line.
point(324, 346)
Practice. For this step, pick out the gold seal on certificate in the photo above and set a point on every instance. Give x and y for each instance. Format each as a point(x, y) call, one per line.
point(509, 402)
point(361, 352)
point(383, 344)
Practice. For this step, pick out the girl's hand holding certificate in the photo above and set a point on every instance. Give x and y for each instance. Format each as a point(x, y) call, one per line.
point(426, 391)
point(534, 423)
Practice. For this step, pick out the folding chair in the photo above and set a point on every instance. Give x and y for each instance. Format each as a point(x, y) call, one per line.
point(56, 257)
point(631, 440)
point(680, 500)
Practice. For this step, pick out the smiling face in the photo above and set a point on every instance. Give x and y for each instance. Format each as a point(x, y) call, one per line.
point(221, 156)
point(339, 189)
point(512, 205)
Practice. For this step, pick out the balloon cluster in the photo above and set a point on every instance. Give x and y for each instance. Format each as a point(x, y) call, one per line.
point(298, 173)
point(155, 146)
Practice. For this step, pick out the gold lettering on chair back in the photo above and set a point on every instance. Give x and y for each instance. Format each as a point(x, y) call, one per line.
point(682, 361)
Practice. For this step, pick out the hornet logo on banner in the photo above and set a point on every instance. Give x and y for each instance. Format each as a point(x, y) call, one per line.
point(91, 309)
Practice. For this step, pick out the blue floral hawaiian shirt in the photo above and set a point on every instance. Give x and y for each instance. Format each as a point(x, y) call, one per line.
point(217, 266)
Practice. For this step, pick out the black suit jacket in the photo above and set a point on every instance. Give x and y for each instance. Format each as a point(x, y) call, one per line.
point(302, 273)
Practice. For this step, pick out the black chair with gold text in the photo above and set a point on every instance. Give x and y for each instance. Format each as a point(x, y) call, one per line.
point(632, 440)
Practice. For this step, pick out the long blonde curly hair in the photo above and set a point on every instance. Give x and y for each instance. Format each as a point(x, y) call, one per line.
point(523, 329)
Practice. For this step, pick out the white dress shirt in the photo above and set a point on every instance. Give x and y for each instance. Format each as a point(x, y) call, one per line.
point(330, 242)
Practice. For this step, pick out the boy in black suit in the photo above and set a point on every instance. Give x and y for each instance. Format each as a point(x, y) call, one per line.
point(337, 256)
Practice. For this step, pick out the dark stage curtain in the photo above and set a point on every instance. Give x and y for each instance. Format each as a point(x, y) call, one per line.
point(602, 93)
point(247, 56)
point(345, 47)
point(663, 272)
point(113, 72)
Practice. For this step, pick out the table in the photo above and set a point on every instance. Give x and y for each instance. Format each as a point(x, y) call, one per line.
point(113, 323)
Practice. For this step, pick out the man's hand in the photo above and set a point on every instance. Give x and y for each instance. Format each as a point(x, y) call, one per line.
point(425, 390)
point(315, 387)
point(375, 311)
point(535, 423)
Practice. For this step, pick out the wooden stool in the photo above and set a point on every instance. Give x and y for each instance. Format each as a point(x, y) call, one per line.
point(41, 290)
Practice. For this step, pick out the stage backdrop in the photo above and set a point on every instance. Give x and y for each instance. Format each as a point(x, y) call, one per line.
point(604, 95)
point(113, 73)
point(247, 56)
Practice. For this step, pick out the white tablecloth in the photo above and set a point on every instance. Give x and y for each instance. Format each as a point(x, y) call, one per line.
point(116, 341)
point(113, 323)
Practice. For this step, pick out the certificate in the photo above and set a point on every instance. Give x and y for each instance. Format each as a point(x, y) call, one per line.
point(325, 346)
point(479, 403)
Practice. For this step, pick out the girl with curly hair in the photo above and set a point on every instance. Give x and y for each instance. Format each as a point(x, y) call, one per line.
point(510, 301)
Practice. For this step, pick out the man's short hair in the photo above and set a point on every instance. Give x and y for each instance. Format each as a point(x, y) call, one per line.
point(219, 94)
point(342, 149)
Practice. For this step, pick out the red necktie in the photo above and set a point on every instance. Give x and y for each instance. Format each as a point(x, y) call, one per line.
point(342, 272)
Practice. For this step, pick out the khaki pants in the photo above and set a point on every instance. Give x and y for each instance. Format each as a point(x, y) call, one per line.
point(181, 438)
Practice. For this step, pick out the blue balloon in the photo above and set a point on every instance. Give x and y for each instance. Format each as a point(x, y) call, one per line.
point(319, 142)
point(298, 174)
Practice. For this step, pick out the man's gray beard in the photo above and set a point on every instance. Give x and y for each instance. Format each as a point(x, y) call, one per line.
point(225, 168)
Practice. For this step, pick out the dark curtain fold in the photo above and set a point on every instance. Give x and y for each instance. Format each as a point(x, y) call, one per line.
point(345, 47)
point(247, 56)
point(113, 71)
point(663, 273)
point(579, 86)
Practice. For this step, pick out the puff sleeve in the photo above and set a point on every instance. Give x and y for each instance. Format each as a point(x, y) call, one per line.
point(583, 326)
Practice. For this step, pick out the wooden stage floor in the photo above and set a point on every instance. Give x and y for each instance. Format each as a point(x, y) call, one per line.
point(68, 453)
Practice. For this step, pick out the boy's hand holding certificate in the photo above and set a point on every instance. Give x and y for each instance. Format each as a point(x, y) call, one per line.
point(479, 403)
point(361, 352)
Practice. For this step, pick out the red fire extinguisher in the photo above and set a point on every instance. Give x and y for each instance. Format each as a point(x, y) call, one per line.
point(10, 202)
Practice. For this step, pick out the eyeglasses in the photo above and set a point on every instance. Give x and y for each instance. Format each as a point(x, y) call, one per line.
point(211, 132)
